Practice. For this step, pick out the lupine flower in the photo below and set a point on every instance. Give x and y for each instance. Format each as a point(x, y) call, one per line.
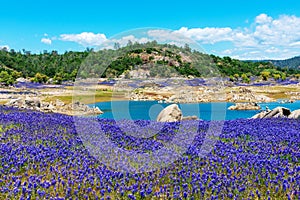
point(52, 160)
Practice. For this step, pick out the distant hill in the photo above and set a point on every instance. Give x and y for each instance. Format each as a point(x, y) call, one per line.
point(290, 63)
point(149, 59)
point(293, 63)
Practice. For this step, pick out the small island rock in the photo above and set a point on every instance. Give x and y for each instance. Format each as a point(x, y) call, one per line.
point(245, 106)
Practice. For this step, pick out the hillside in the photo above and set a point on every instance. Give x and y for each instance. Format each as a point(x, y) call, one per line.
point(135, 60)
point(293, 63)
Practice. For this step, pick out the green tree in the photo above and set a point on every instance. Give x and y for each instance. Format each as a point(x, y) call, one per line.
point(283, 76)
point(40, 78)
point(16, 74)
point(74, 74)
point(232, 78)
point(187, 48)
point(265, 75)
point(276, 76)
point(129, 43)
point(237, 76)
point(245, 78)
point(58, 78)
point(117, 45)
point(6, 78)
point(83, 74)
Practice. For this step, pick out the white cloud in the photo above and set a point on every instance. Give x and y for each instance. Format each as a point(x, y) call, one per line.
point(227, 52)
point(46, 41)
point(243, 38)
point(273, 50)
point(173, 38)
point(263, 18)
point(4, 47)
point(162, 35)
point(186, 35)
point(85, 38)
point(123, 41)
point(264, 37)
point(99, 40)
point(207, 35)
point(282, 31)
point(267, 37)
point(295, 44)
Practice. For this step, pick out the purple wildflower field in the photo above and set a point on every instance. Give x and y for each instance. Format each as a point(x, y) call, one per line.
point(43, 157)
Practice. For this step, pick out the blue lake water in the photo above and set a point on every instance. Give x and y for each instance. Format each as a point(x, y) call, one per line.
point(149, 110)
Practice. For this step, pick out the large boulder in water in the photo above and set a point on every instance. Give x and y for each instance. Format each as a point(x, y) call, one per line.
point(295, 114)
point(171, 113)
point(278, 112)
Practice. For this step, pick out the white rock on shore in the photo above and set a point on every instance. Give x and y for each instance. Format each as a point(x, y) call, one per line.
point(76, 108)
point(278, 112)
point(188, 94)
point(295, 114)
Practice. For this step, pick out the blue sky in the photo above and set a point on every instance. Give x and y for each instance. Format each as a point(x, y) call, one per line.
point(248, 29)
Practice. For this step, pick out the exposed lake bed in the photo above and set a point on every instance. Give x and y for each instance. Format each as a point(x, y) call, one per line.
point(144, 101)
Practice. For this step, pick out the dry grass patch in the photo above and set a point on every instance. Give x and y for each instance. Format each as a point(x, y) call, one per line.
point(88, 98)
point(2, 102)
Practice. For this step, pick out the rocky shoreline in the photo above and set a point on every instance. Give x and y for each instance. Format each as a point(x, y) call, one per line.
point(58, 106)
point(172, 113)
point(278, 112)
point(198, 95)
point(245, 106)
point(60, 99)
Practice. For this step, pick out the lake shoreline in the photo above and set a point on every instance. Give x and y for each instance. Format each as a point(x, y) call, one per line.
point(187, 94)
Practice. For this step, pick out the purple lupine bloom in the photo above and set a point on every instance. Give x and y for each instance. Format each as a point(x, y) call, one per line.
point(267, 148)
